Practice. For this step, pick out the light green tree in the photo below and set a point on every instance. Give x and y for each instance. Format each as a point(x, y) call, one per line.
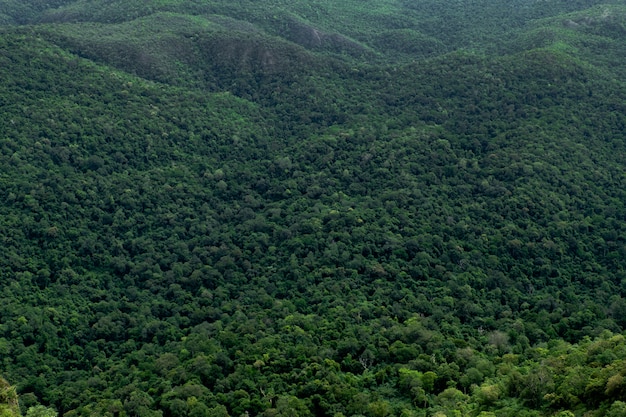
point(8, 400)
point(41, 411)
point(618, 409)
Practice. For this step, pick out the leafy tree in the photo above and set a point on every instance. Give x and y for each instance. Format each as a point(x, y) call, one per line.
point(40, 411)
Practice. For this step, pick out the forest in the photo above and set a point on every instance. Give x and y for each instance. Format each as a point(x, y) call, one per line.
point(380, 208)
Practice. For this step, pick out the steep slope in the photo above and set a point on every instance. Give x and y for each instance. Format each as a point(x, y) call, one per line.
point(183, 49)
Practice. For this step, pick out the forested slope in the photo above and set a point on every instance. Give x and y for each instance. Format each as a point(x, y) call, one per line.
point(205, 214)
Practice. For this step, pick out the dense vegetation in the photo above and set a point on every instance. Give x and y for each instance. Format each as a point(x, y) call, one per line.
point(335, 209)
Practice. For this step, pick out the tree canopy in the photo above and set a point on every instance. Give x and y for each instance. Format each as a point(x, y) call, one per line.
point(312, 209)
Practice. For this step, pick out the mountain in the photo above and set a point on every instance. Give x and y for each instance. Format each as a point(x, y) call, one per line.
point(373, 208)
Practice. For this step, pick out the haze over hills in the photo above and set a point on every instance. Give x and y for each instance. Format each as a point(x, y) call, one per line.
point(358, 208)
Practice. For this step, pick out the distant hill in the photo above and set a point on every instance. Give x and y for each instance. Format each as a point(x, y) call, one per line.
point(374, 30)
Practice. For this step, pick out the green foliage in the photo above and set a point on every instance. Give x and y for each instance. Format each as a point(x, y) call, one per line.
point(273, 209)
point(40, 411)
point(8, 400)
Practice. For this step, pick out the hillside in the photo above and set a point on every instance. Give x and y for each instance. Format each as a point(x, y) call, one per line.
point(320, 208)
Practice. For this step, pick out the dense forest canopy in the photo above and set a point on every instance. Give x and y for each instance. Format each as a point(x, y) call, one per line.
point(357, 208)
